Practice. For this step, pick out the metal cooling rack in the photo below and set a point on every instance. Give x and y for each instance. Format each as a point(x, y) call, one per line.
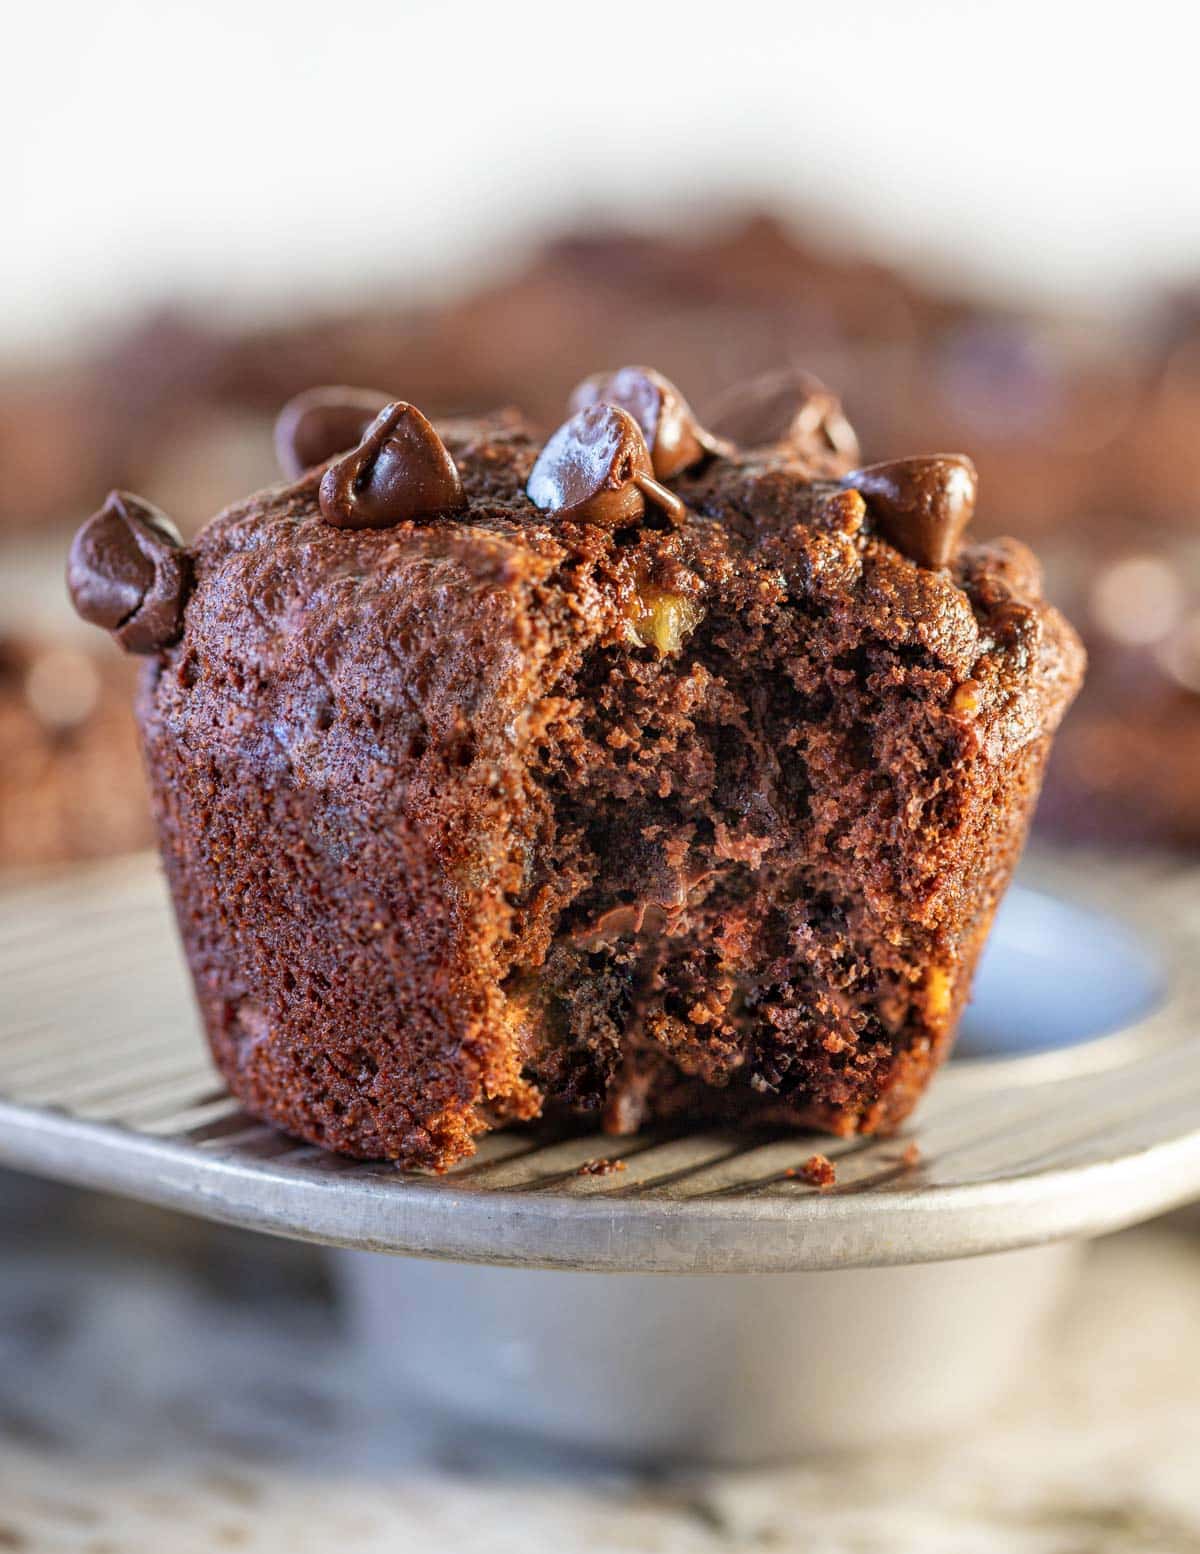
point(104, 1081)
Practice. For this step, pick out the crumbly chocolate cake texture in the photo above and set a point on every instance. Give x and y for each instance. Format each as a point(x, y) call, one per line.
point(579, 785)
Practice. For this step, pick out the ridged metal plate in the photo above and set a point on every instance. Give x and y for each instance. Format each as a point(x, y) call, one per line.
point(105, 1081)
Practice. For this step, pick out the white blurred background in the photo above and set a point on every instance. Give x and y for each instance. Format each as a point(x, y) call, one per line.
point(271, 153)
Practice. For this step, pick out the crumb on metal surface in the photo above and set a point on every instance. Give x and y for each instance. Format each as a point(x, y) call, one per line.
point(817, 1171)
point(601, 1167)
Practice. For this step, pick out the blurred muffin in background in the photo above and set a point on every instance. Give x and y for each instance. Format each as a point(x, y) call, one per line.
point(1084, 438)
point(1128, 571)
point(71, 784)
point(182, 408)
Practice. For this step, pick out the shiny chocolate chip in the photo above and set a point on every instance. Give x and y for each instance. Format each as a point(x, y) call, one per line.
point(787, 407)
point(922, 505)
point(400, 470)
point(127, 572)
point(322, 422)
point(674, 436)
point(597, 469)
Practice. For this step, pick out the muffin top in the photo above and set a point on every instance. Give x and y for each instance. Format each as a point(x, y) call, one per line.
point(462, 563)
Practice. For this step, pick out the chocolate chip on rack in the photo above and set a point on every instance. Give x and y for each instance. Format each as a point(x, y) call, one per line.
point(597, 469)
point(922, 505)
point(674, 436)
point(789, 408)
point(400, 470)
point(321, 422)
point(127, 572)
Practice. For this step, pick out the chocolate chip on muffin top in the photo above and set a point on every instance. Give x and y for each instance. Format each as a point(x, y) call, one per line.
point(127, 572)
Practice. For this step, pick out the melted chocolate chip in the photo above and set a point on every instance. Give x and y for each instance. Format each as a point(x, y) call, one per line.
point(400, 470)
point(321, 422)
point(674, 436)
point(921, 505)
point(786, 407)
point(128, 573)
point(1018, 625)
point(596, 469)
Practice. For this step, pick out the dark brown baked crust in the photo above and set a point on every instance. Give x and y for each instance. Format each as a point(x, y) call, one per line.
point(476, 815)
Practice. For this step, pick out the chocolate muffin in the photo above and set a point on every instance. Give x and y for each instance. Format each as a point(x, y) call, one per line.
point(636, 772)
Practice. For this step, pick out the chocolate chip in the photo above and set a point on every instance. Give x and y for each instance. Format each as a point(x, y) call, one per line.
point(1018, 626)
point(596, 469)
point(674, 436)
point(786, 407)
point(921, 505)
point(315, 425)
point(128, 573)
point(400, 470)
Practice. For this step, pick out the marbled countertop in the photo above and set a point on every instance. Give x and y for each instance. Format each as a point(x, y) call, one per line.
point(168, 1388)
